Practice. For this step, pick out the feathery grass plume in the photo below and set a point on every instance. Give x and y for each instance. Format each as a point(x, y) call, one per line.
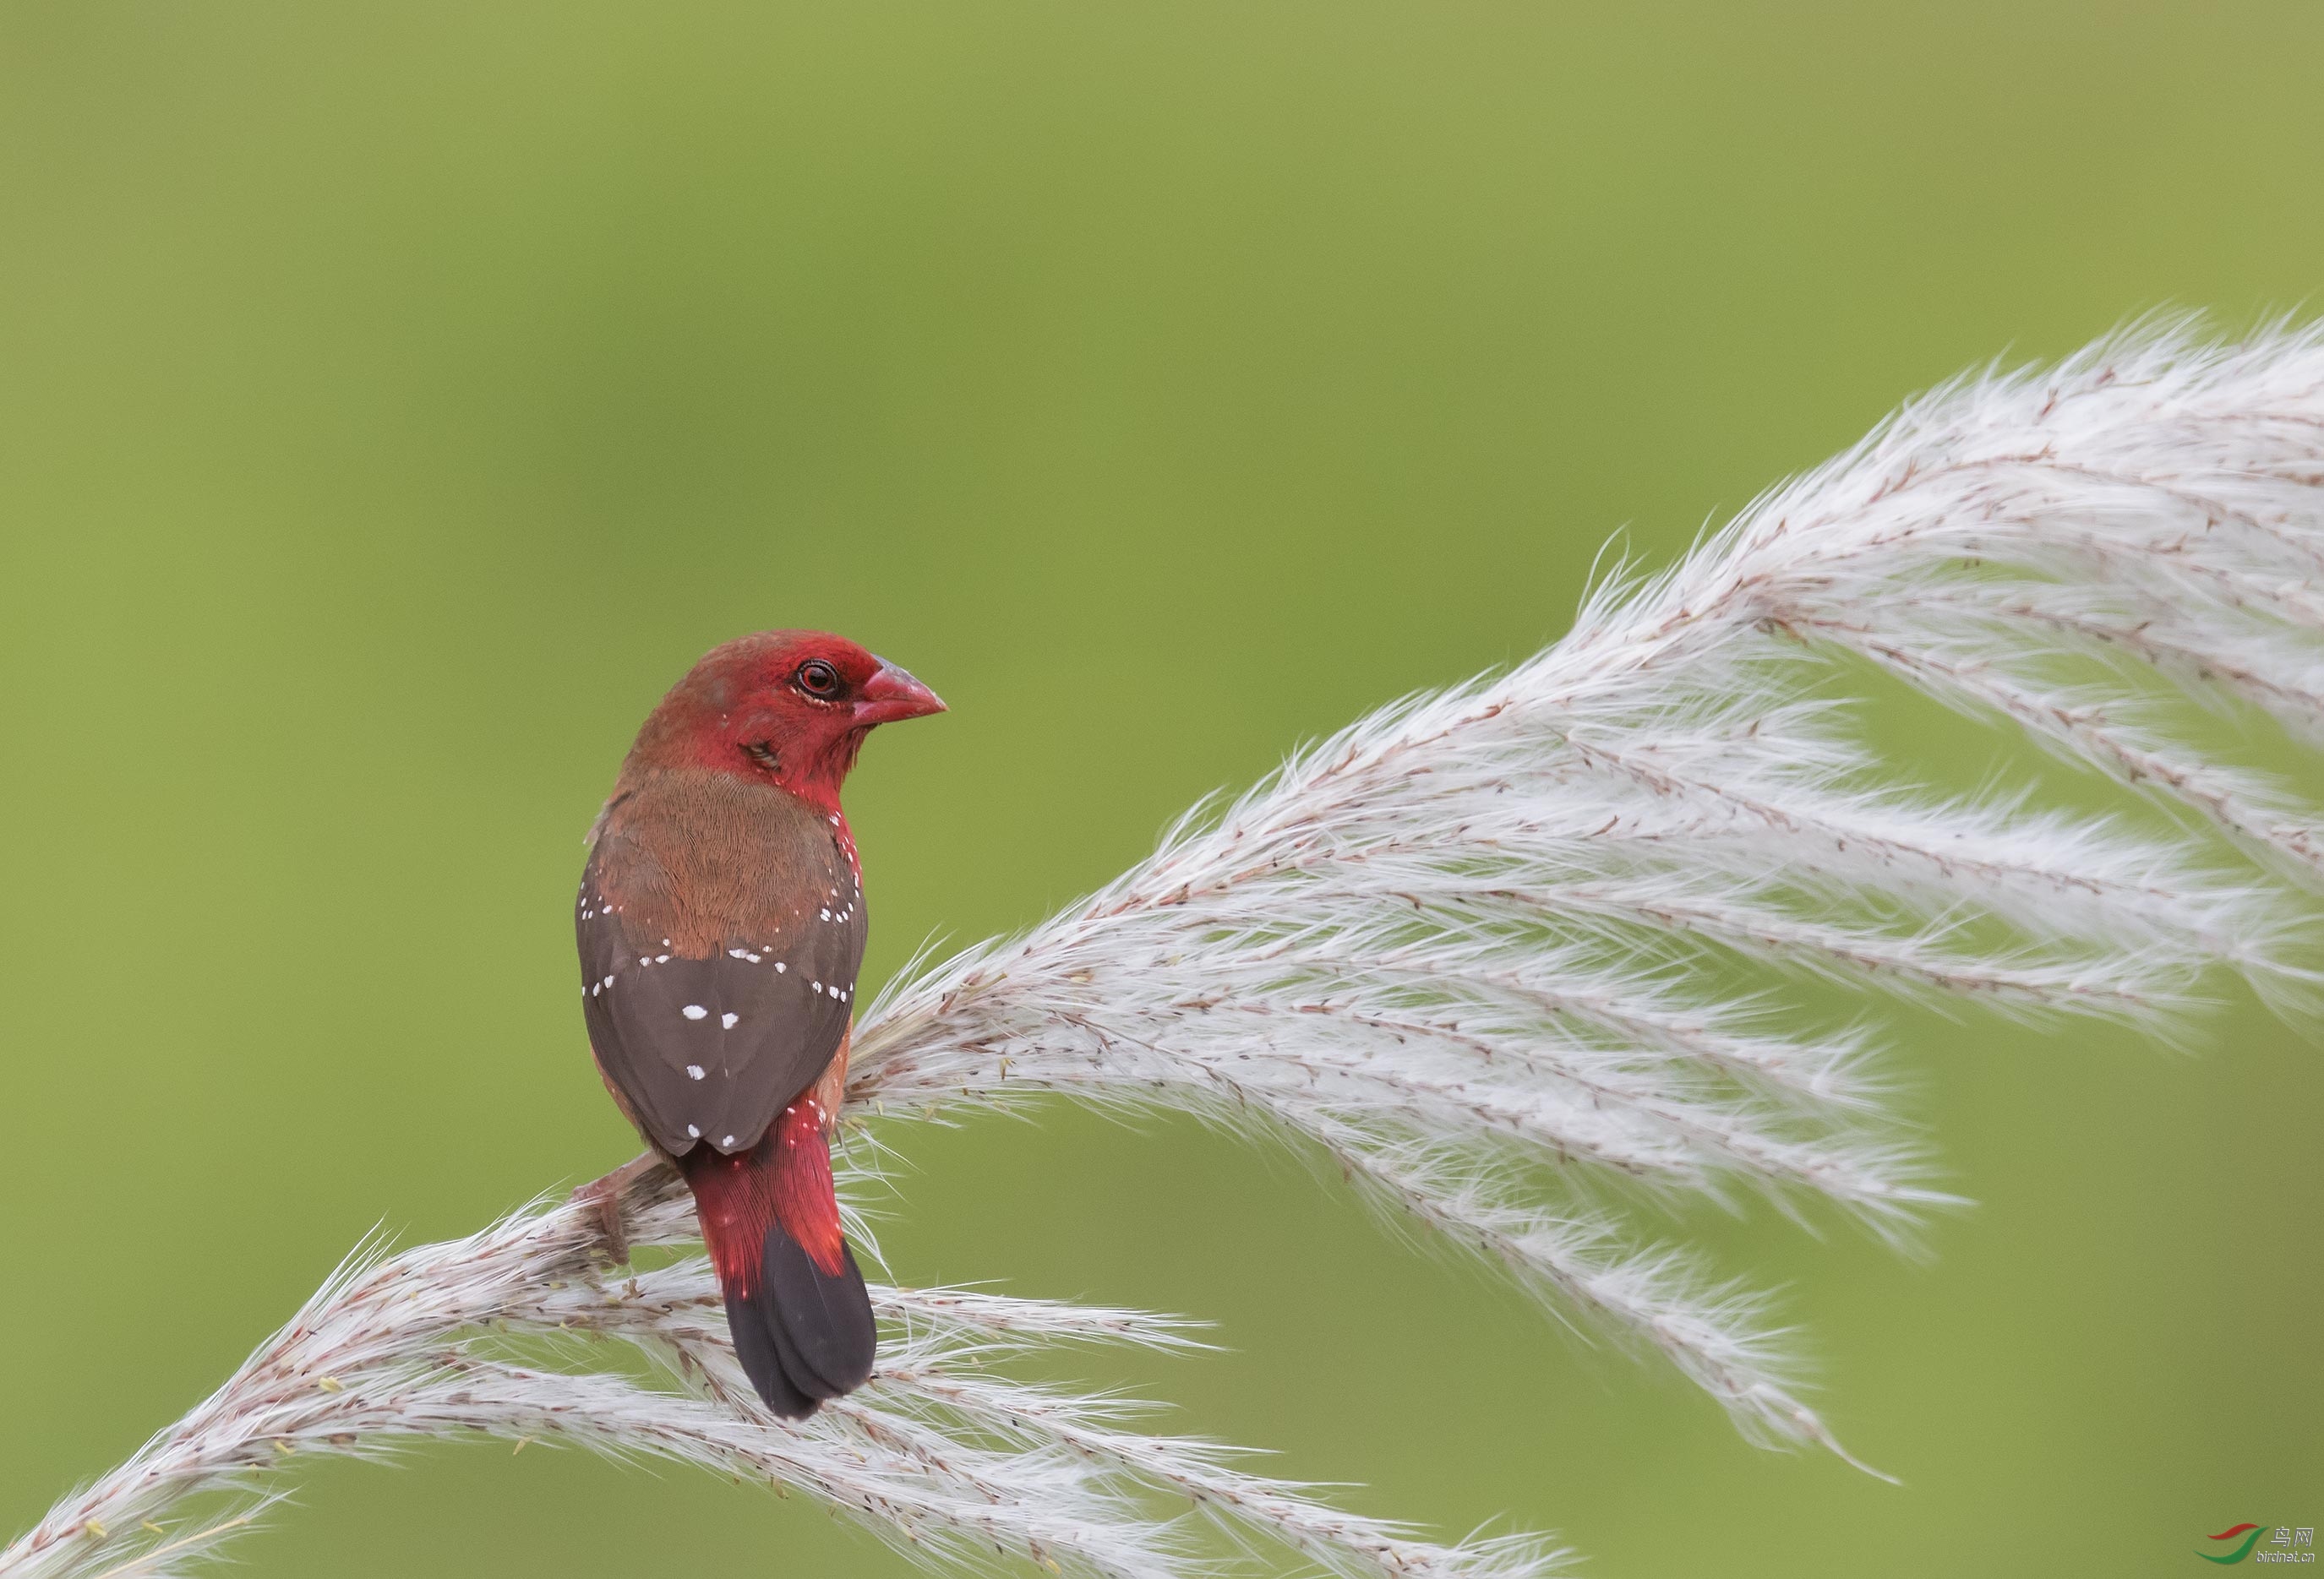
point(1497, 926)
point(512, 1332)
point(1480, 950)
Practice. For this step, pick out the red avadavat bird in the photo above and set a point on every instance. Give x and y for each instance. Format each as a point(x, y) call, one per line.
point(721, 925)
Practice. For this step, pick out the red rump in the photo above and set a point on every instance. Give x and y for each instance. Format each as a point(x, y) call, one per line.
point(785, 1179)
point(805, 1202)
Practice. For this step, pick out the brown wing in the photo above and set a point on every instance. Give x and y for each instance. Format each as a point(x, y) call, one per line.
point(721, 927)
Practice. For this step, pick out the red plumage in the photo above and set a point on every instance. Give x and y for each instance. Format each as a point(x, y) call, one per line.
point(784, 1181)
point(721, 926)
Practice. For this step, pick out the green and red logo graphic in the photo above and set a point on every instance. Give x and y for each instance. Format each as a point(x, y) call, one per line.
point(2245, 1536)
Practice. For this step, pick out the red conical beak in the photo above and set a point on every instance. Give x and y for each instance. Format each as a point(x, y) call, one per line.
point(892, 694)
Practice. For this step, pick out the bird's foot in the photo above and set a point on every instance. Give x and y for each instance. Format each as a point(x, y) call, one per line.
point(603, 1198)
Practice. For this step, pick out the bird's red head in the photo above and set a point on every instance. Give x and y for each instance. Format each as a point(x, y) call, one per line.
point(790, 707)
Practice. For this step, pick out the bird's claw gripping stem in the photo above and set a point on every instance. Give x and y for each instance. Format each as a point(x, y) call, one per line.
point(603, 1198)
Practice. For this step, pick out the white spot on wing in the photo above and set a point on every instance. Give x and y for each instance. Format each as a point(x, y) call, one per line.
point(728, 1021)
point(694, 1071)
point(692, 1134)
point(693, 1011)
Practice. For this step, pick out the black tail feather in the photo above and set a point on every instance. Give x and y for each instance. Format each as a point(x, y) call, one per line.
point(823, 1322)
point(803, 1337)
point(751, 1321)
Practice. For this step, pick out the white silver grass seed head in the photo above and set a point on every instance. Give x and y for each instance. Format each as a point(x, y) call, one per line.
point(1480, 953)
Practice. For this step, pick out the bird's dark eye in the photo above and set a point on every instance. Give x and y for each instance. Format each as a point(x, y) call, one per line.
point(817, 678)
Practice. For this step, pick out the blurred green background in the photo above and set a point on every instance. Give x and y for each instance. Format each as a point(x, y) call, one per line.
point(394, 400)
